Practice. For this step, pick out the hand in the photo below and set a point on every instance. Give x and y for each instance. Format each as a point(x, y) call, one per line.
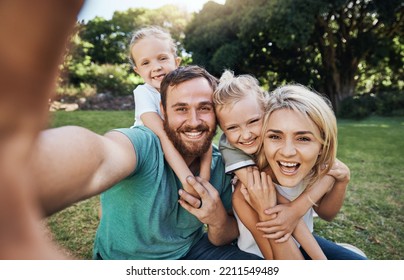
point(209, 208)
point(281, 227)
point(340, 171)
point(260, 192)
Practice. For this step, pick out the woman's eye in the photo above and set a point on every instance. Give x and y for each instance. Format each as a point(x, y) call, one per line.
point(273, 136)
point(304, 139)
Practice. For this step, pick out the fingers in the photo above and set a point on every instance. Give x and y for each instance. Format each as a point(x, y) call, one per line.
point(277, 235)
point(274, 210)
point(245, 193)
point(191, 208)
point(202, 187)
point(284, 238)
point(189, 200)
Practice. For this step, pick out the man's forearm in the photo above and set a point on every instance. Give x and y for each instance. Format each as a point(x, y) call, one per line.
point(224, 233)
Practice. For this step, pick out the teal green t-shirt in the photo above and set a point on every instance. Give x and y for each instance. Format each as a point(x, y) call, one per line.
point(141, 216)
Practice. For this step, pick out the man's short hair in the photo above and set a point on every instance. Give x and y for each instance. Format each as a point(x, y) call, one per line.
point(183, 74)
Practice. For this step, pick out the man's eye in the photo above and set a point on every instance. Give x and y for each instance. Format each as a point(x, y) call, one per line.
point(206, 108)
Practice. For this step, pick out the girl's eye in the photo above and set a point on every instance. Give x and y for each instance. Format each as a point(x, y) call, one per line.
point(231, 128)
point(145, 63)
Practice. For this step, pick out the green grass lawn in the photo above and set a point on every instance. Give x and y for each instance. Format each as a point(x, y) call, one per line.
point(372, 217)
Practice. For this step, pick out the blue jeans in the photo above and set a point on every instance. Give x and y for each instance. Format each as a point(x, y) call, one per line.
point(333, 251)
point(204, 250)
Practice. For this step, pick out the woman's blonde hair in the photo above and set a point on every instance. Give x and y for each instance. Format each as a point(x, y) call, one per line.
point(232, 89)
point(315, 107)
point(151, 31)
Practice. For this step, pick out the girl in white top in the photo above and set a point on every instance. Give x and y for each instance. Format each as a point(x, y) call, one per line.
point(153, 55)
point(240, 106)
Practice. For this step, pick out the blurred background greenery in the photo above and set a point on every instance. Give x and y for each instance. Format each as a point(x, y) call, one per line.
point(351, 51)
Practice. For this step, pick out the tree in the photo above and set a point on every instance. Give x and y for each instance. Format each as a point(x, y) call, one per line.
point(111, 38)
point(319, 43)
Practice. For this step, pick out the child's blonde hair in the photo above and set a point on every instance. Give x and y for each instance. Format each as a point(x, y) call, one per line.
point(151, 31)
point(315, 107)
point(232, 89)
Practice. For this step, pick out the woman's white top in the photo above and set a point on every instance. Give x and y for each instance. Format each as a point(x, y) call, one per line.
point(246, 241)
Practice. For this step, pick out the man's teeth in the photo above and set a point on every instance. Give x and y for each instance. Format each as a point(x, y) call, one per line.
point(193, 134)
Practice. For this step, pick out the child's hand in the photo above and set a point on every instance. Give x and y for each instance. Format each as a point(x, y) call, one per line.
point(340, 171)
point(283, 225)
point(190, 189)
point(260, 192)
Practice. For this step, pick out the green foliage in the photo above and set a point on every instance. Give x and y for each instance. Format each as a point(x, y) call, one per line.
point(387, 103)
point(114, 79)
point(337, 47)
point(357, 107)
point(315, 42)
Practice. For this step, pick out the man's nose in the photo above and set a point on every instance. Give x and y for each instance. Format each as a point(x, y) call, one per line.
point(194, 118)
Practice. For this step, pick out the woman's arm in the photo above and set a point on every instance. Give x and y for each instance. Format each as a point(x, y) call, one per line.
point(329, 206)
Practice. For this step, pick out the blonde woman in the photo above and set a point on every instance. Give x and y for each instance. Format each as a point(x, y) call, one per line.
point(299, 145)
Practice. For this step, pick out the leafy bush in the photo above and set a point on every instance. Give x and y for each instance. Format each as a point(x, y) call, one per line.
point(390, 103)
point(357, 107)
point(387, 103)
point(114, 79)
point(82, 90)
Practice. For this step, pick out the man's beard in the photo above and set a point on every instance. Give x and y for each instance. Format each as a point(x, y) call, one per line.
point(194, 149)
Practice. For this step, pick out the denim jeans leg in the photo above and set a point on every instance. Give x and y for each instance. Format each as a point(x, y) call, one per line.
point(204, 250)
point(333, 251)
